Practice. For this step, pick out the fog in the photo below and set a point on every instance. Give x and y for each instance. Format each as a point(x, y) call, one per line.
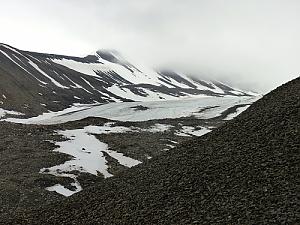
point(251, 44)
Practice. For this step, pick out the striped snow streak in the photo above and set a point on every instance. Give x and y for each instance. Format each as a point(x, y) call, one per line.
point(13, 61)
point(46, 75)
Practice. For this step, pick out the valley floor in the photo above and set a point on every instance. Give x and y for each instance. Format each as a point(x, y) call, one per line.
point(40, 164)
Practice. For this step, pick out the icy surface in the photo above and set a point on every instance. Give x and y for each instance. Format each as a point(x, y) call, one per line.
point(202, 108)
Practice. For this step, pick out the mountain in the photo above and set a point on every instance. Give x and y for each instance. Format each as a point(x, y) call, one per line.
point(33, 83)
point(245, 172)
point(67, 123)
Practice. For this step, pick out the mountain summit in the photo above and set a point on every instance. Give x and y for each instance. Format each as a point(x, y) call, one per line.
point(33, 83)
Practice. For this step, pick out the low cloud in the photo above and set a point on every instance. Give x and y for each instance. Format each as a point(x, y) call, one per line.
point(251, 44)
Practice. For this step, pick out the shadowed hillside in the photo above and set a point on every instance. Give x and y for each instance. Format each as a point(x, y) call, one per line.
point(246, 172)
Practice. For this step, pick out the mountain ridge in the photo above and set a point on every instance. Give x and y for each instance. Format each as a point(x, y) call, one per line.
point(34, 82)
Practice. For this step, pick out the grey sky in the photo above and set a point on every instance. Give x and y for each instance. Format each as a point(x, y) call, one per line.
point(252, 43)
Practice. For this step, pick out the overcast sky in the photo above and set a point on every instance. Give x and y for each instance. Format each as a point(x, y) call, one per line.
point(253, 43)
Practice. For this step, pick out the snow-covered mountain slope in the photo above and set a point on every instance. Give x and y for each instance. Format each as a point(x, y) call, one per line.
point(33, 83)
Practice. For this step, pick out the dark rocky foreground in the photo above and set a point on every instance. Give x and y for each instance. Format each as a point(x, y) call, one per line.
point(246, 172)
point(26, 149)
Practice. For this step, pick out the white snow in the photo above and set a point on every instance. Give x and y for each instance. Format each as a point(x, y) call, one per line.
point(14, 61)
point(88, 83)
point(84, 68)
point(61, 190)
point(192, 131)
point(8, 47)
point(124, 111)
point(4, 112)
point(102, 65)
point(139, 75)
point(175, 83)
point(149, 95)
point(50, 115)
point(65, 191)
point(238, 112)
point(159, 128)
point(87, 152)
point(46, 75)
point(236, 92)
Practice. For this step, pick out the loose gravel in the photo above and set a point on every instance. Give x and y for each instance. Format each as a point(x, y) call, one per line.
point(245, 172)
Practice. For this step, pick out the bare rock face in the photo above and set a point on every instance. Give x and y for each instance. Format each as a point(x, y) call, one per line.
point(245, 172)
point(33, 83)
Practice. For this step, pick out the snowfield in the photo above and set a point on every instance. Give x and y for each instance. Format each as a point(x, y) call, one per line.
point(88, 152)
point(202, 108)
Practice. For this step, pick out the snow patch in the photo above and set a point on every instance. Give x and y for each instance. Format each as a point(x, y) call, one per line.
point(46, 75)
point(188, 131)
point(4, 113)
point(237, 112)
point(87, 152)
point(159, 128)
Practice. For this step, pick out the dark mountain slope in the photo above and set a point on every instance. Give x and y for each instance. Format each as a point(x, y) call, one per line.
point(246, 172)
point(33, 83)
